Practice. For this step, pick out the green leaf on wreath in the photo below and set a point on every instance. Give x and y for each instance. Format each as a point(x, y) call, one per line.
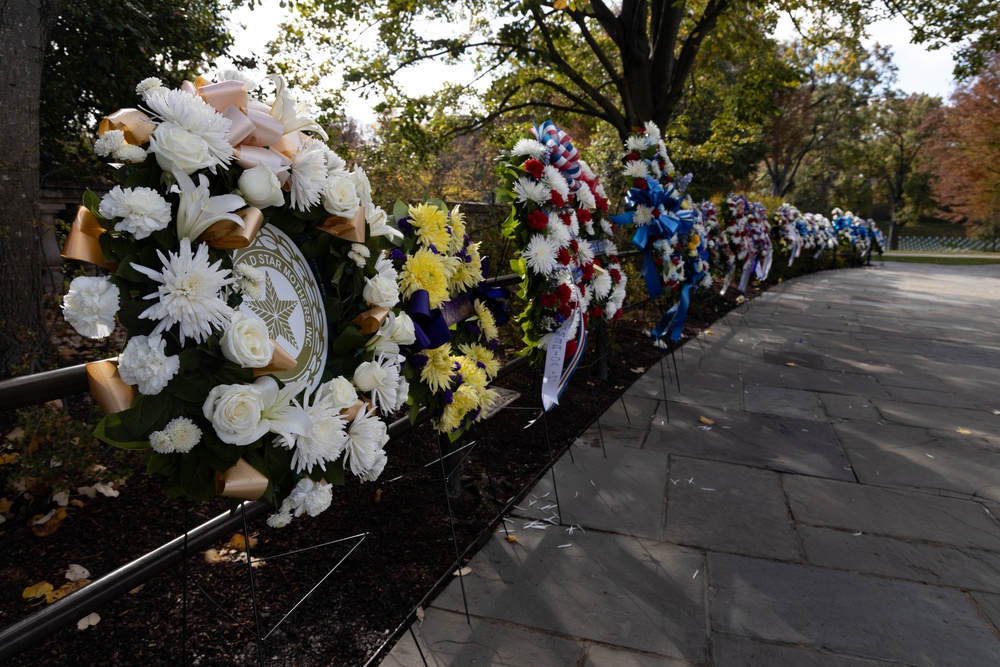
point(111, 431)
point(197, 479)
point(93, 204)
point(400, 210)
point(334, 473)
point(146, 413)
point(349, 340)
point(160, 463)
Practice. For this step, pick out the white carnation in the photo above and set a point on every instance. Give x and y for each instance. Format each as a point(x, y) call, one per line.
point(145, 363)
point(90, 306)
point(142, 210)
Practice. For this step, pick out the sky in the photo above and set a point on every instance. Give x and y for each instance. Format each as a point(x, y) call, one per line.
point(920, 71)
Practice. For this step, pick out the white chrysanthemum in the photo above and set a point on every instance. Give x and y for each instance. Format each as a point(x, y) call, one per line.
point(636, 144)
point(606, 226)
point(308, 175)
point(642, 215)
point(178, 437)
point(530, 148)
point(652, 132)
point(90, 306)
point(585, 196)
point(528, 189)
point(557, 231)
point(668, 166)
point(366, 437)
point(334, 163)
point(148, 84)
point(610, 249)
point(310, 497)
point(553, 178)
point(129, 153)
point(142, 210)
point(588, 173)
point(380, 377)
point(359, 253)
point(636, 169)
point(282, 517)
point(249, 280)
point(233, 74)
point(145, 363)
point(601, 285)
point(541, 254)
point(378, 465)
point(574, 224)
point(109, 142)
point(325, 441)
point(584, 253)
point(195, 116)
point(385, 269)
point(189, 294)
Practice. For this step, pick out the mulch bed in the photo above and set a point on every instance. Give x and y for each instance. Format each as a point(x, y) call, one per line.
point(201, 613)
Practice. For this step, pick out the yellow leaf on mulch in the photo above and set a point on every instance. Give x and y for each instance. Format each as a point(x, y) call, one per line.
point(9, 458)
point(5, 505)
point(963, 431)
point(706, 421)
point(37, 590)
point(65, 590)
point(44, 525)
point(239, 542)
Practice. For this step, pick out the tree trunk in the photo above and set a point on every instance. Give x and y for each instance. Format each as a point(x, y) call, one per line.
point(24, 26)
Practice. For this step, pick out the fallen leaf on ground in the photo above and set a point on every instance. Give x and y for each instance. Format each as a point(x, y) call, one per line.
point(709, 332)
point(36, 590)
point(963, 431)
point(137, 589)
point(420, 615)
point(88, 621)
point(65, 590)
point(45, 525)
point(5, 505)
point(463, 572)
point(239, 542)
point(76, 571)
point(8, 458)
point(512, 538)
point(706, 421)
point(791, 364)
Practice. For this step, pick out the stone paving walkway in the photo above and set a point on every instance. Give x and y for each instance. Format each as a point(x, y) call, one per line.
point(841, 509)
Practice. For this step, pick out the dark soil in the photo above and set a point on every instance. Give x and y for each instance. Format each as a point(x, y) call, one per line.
point(402, 530)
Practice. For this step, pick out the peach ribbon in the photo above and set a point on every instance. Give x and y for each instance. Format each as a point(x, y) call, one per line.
point(134, 123)
point(349, 229)
point(280, 362)
point(370, 320)
point(228, 235)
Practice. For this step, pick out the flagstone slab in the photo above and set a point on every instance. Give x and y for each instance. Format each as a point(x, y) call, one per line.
point(606, 656)
point(846, 613)
point(724, 507)
point(622, 492)
point(941, 418)
point(844, 407)
point(730, 650)
point(815, 380)
point(929, 396)
point(630, 411)
point(446, 640)
point(613, 589)
point(990, 604)
point(892, 455)
point(967, 569)
point(891, 512)
point(652, 385)
point(762, 441)
point(609, 435)
point(782, 402)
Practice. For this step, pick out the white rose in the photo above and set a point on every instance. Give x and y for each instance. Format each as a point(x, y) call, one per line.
point(362, 184)
point(369, 375)
point(380, 291)
point(340, 196)
point(177, 149)
point(235, 413)
point(246, 342)
point(343, 392)
point(90, 306)
point(260, 187)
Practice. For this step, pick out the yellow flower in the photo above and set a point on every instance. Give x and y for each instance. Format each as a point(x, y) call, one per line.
point(457, 230)
point(431, 226)
point(472, 374)
point(437, 372)
point(451, 418)
point(478, 353)
point(425, 270)
point(487, 324)
point(468, 274)
point(693, 244)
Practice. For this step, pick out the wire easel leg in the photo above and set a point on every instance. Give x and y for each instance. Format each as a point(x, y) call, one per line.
point(454, 536)
point(253, 588)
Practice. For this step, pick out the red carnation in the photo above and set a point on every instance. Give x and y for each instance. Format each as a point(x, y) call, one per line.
point(602, 203)
point(574, 245)
point(549, 299)
point(616, 275)
point(588, 270)
point(583, 215)
point(557, 199)
point(632, 156)
point(656, 213)
point(640, 183)
point(534, 167)
point(618, 314)
point(564, 293)
point(596, 311)
point(570, 348)
point(538, 219)
point(564, 256)
point(566, 218)
point(639, 129)
point(565, 311)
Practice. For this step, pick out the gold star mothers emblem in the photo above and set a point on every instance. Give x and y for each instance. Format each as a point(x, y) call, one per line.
point(275, 312)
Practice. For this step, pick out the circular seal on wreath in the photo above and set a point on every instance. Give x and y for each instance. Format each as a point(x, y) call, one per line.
point(290, 304)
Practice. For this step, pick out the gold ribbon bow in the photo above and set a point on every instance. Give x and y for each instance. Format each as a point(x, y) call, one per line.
point(371, 320)
point(280, 362)
point(228, 235)
point(82, 242)
point(242, 481)
point(134, 123)
point(108, 388)
point(349, 229)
